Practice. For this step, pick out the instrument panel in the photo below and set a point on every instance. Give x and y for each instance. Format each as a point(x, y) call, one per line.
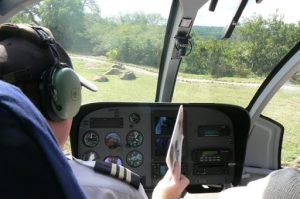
point(137, 135)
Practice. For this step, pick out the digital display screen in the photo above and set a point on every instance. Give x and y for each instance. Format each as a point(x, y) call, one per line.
point(106, 122)
point(163, 168)
point(209, 153)
point(164, 125)
point(213, 131)
point(161, 146)
point(163, 129)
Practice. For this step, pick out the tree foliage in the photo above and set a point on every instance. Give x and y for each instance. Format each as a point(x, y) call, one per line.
point(135, 38)
point(65, 18)
point(255, 47)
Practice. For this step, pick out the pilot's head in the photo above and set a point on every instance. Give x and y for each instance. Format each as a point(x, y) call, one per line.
point(32, 60)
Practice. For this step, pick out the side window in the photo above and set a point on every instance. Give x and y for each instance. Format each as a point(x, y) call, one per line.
point(284, 108)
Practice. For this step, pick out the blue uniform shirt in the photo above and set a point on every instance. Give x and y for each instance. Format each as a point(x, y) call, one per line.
point(25, 120)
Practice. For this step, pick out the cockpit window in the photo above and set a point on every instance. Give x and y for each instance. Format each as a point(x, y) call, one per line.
point(231, 70)
point(115, 43)
point(118, 45)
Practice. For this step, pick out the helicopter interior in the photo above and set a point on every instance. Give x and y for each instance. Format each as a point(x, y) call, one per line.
point(225, 143)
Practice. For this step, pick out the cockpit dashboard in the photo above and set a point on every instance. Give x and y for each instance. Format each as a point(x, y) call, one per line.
point(137, 136)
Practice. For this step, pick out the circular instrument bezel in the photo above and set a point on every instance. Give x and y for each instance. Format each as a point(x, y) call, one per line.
point(137, 162)
point(88, 141)
point(134, 138)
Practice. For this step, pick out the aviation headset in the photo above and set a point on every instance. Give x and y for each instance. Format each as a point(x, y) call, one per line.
point(60, 86)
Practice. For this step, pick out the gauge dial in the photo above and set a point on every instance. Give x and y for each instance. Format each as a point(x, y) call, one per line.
point(90, 156)
point(113, 140)
point(134, 118)
point(134, 138)
point(113, 159)
point(90, 139)
point(134, 159)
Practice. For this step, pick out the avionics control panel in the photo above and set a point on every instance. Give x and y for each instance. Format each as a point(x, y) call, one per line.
point(137, 136)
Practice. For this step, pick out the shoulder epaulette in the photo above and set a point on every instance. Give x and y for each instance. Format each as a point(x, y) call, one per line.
point(119, 172)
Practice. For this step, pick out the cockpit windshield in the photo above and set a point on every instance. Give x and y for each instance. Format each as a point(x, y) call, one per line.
point(231, 70)
point(118, 45)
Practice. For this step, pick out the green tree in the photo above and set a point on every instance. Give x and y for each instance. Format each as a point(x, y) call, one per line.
point(65, 18)
point(91, 6)
point(266, 41)
point(135, 38)
point(255, 47)
point(29, 15)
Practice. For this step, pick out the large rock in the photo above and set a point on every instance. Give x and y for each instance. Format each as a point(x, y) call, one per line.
point(101, 78)
point(118, 66)
point(113, 71)
point(129, 75)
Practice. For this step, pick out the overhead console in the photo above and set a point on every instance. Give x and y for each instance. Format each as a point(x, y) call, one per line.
point(136, 135)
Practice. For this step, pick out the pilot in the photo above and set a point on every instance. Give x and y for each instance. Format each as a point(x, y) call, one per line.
point(33, 61)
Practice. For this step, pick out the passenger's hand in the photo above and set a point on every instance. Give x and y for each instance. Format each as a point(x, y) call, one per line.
point(171, 186)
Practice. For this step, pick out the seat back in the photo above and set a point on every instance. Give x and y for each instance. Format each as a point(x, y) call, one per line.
point(31, 162)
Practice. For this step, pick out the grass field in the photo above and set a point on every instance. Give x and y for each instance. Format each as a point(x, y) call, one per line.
point(283, 108)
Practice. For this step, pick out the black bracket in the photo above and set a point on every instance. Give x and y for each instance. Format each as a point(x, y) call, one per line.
point(182, 43)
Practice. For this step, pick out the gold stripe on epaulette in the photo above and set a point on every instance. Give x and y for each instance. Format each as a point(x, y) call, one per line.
point(121, 173)
point(113, 170)
point(128, 175)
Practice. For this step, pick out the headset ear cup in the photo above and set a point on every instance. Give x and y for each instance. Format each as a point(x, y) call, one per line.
point(63, 95)
point(67, 93)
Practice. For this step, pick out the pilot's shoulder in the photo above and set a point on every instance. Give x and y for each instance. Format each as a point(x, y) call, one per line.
point(97, 177)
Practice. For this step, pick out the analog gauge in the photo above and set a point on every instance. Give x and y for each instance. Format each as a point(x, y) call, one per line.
point(134, 138)
point(134, 118)
point(90, 139)
point(113, 140)
point(134, 159)
point(90, 156)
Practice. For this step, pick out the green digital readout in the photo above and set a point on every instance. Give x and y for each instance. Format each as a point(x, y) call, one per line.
point(209, 153)
point(213, 131)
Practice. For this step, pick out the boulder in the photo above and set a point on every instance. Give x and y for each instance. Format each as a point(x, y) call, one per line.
point(129, 75)
point(113, 71)
point(101, 78)
point(118, 66)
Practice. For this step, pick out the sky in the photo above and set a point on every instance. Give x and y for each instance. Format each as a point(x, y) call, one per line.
point(115, 7)
point(221, 17)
